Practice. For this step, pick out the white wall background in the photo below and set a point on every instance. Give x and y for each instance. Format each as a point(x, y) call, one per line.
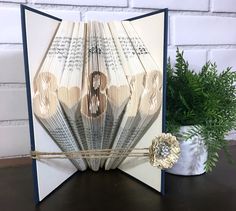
point(205, 29)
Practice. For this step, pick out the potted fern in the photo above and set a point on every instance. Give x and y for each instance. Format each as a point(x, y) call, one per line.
point(201, 109)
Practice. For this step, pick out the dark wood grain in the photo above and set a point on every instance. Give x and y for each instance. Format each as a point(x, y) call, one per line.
point(11, 162)
point(115, 190)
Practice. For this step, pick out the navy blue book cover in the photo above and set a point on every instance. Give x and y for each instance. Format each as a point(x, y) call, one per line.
point(24, 20)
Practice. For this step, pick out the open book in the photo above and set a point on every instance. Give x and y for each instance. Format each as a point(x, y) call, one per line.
point(91, 86)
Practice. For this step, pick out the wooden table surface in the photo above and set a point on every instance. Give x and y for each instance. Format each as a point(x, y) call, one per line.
point(115, 190)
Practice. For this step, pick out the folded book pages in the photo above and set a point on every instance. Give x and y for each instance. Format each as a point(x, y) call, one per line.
point(93, 86)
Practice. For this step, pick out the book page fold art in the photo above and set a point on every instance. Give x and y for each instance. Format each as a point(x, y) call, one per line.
point(96, 94)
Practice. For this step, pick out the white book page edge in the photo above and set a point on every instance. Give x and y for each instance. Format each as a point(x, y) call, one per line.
point(50, 173)
point(151, 31)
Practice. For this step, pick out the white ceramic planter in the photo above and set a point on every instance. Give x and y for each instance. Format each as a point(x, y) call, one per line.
point(193, 155)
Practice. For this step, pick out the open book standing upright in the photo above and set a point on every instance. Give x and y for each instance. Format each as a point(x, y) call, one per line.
point(94, 86)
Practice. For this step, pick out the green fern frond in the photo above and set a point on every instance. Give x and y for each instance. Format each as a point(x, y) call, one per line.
point(206, 99)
